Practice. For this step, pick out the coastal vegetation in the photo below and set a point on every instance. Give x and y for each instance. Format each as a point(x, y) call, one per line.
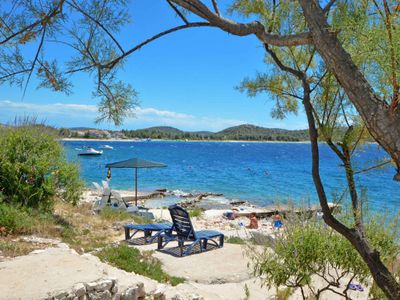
point(195, 212)
point(132, 260)
point(10, 248)
point(307, 249)
point(65, 223)
point(245, 132)
point(113, 215)
point(34, 170)
point(299, 75)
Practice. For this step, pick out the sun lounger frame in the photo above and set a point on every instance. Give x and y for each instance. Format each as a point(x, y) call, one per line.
point(184, 232)
point(147, 229)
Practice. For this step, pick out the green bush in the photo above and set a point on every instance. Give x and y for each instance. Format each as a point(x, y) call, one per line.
point(195, 212)
point(33, 168)
point(308, 248)
point(131, 260)
point(14, 220)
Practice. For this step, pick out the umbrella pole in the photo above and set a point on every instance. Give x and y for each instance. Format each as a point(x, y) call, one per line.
point(136, 186)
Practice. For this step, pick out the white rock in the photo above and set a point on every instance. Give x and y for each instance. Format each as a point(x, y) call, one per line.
point(61, 295)
point(79, 289)
point(114, 289)
point(117, 296)
point(72, 251)
point(104, 285)
point(141, 291)
point(71, 296)
point(159, 292)
point(38, 240)
point(131, 294)
point(63, 246)
point(37, 251)
point(104, 295)
point(90, 286)
point(177, 297)
point(159, 296)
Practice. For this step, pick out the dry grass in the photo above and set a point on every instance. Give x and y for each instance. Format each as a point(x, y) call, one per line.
point(84, 231)
point(13, 248)
point(76, 226)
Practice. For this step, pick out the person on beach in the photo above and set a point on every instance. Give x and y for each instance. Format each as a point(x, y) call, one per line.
point(235, 212)
point(231, 215)
point(277, 220)
point(253, 221)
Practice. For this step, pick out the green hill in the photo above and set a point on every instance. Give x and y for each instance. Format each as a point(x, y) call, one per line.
point(252, 132)
point(158, 132)
point(242, 132)
point(163, 129)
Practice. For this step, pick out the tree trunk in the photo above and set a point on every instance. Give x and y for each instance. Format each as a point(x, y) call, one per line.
point(383, 278)
point(382, 122)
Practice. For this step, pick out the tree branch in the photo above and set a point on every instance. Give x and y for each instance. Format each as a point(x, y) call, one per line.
point(178, 12)
point(373, 167)
point(112, 63)
point(243, 29)
point(75, 6)
point(14, 73)
point(42, 21)
point(328, 217)
point(216, 8)
point(35, 60)
point(328, 6)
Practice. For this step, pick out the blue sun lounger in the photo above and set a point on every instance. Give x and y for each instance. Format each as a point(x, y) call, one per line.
point(182, 231)
point(147, 230)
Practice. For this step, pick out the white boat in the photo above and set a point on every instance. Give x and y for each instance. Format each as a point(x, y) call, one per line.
point(107, 147)
point(90, 151)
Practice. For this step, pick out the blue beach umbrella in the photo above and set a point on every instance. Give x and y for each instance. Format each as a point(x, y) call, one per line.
point(135, 163)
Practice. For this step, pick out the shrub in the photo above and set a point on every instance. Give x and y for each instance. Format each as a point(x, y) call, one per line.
point(195, 212)
point(308, 248)
point(33, 168)
point(14, 220)
point(131, 260)
point(112, 214)
point(234, 240)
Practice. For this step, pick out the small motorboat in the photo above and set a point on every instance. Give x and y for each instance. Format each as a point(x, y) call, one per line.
point(90, 151)
point(108, 147)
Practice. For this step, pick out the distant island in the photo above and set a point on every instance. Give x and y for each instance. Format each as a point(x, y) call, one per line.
point(245, 132)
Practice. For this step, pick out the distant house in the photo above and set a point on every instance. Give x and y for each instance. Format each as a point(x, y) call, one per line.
point(97, 134)
point(118, 135)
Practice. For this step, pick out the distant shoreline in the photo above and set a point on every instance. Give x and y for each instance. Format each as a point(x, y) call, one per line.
point(183, 141)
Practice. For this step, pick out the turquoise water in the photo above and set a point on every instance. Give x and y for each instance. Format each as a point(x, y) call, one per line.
point(259, 172)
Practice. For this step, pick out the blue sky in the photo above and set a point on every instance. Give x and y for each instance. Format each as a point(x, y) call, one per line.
point(185, 80)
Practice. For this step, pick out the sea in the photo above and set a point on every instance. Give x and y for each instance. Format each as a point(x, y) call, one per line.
point(259, 172)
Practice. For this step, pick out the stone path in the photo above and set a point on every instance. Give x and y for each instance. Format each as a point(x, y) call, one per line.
point(214, 275)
